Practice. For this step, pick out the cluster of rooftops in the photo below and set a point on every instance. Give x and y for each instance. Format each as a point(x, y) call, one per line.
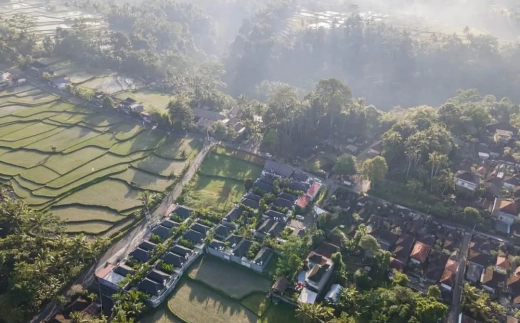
point(274, 222)
point(166, 268)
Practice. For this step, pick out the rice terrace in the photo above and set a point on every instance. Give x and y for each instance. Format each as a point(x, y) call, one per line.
point(84, 165)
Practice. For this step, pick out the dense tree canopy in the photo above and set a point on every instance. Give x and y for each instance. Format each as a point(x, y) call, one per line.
point(36, 259)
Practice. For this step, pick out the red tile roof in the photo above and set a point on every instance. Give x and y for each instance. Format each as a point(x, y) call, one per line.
point(452, 265)
point(103, 272)
point(420, 252)
point(313, 190)
point(303, 201)
point(447, 278)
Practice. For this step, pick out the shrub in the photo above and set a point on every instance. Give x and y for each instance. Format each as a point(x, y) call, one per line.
point(167, 268)
point(186, 243)
point(155, 238)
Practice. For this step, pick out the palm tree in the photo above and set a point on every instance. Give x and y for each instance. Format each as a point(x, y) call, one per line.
point(146, 198)
point(313, 313)
point(446, 180)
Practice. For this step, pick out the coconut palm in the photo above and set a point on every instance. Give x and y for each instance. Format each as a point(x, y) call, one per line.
point(313, 313)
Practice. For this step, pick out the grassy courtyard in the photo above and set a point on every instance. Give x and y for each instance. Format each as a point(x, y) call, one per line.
point(218, 291)
point(219, 183)
point(233, 280)
point(86, 166)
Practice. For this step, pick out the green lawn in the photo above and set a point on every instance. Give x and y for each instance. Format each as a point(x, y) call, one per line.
point(281, 313)
point(195, 303)
point(215, 194)
point(230, 278)
point(90, 228)
point(229, 167)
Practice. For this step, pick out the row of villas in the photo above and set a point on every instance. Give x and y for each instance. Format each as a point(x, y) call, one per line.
point(167, 269)
point(274, 222)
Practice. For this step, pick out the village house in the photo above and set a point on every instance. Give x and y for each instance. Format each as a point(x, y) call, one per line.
point(419, 253)
point(205, 118)
point(403, 246)
point(467, 180)
point(319, 271)
point(130, 105)
point(504, 212)
point(490, 279)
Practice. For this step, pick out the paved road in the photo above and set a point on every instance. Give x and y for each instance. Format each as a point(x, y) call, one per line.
point(459, 279)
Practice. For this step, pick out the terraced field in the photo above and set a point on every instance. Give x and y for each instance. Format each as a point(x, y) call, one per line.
point(87, 167)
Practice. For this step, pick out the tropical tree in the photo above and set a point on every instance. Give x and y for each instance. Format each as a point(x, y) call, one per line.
point(375, 170)
point(345, 165)
point(180, 112)
point(314, 313)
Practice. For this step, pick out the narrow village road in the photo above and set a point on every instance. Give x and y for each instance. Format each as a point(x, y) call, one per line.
point(459, 279)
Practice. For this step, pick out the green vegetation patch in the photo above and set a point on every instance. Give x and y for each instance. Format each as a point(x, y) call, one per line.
point(63, 140)
point(194, 303)
point(39, 174)
point(229, 167)
point(150, 99)
point(239, 154)
point(10, 170)
point(27, 184)
point(37, 202)
point(143, 179)
point(32, 141)
point(144, 141)
point(233, 280)
point(96, 165)
point(256, 302)
point(19, 190)
point(64, 163)
point(160, 166)
point(110, 193)
point(102, 120)
point(90, 228)
point(94, 176)
point(86, 213)
point(58, 106)
point(281, 313)
point(216, 194)
point(127, 131)
point(14, 127)
point(23, 158)
point(105, 141)
point(68, 118)
point(174, 149)
point(30, 131)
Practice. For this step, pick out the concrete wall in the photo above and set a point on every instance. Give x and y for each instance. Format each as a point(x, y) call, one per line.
point(235, 259)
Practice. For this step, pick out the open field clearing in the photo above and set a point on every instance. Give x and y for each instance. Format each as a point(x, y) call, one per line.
point(187, 147)
point(215, 194)
point(219, 183)
point(224, 166)
point(160, 166)
point(194, 303)
point(151, 99)
point(233, 280)
point(77, 162)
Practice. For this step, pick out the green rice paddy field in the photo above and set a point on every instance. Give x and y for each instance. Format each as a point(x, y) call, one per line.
point(87, 167)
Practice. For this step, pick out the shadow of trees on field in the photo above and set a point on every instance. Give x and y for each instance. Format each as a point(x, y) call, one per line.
point(224, 304)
